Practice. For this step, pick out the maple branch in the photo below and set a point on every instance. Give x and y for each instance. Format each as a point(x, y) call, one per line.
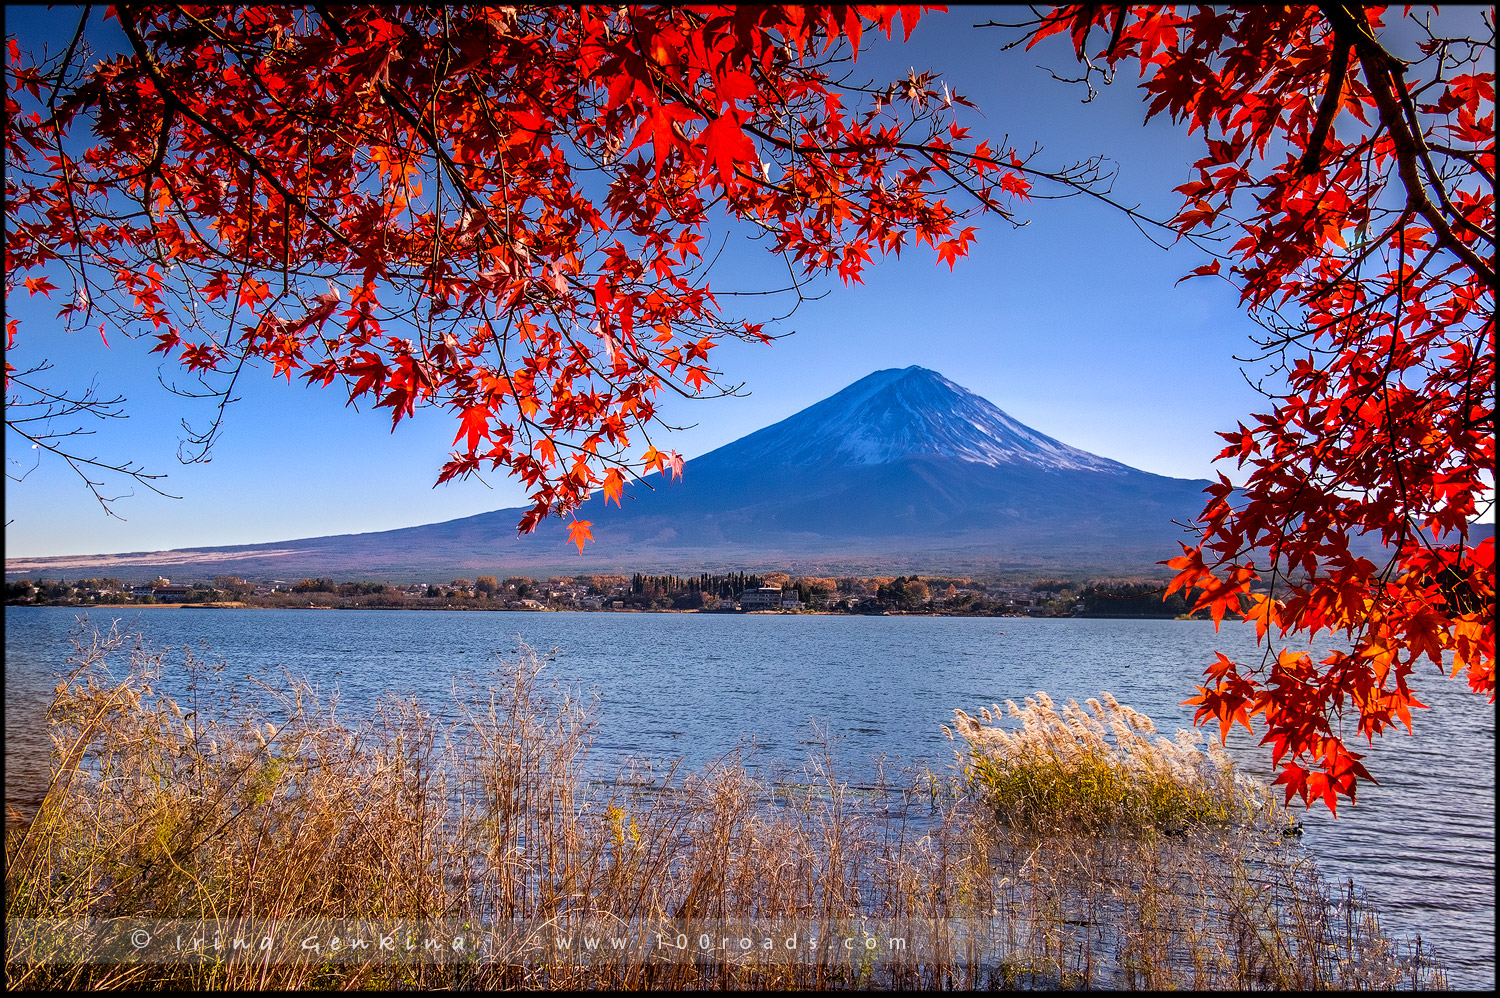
point(1474, 162)
point(390, 97)
point(1327, 110)
point(1283, 335)
point(54, 406)
point(170, 98)
point(66, 163)
point(1121, 12)
point(1383, 71)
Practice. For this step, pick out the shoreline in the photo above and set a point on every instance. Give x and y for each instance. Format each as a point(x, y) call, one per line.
point(239, 605)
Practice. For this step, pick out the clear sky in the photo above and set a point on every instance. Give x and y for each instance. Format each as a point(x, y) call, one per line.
point(1074, 324)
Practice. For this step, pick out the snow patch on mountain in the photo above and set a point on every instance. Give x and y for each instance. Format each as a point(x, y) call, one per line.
point(908, 412)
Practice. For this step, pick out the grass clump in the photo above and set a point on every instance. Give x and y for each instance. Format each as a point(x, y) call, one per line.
point(1126, 859)
point(1097, 770)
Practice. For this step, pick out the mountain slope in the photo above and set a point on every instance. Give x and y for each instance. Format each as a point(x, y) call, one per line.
point(901, 471)
point(901, 413)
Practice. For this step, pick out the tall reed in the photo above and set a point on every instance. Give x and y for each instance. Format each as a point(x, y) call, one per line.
point(248, 801)
point(1140, 861)
point(1098, 770)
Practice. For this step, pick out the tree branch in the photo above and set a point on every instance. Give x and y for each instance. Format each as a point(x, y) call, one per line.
point(1328, 109)
point(1382, 70)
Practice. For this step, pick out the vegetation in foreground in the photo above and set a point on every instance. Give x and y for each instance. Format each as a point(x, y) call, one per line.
point(1097, 771)
point(1068, 851)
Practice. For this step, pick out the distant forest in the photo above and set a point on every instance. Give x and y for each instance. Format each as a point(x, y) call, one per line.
point(710, 592)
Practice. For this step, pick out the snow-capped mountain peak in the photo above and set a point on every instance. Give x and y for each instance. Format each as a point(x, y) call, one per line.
point(909, 412)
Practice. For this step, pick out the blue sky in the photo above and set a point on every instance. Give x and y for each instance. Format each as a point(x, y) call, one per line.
point(1073, 324)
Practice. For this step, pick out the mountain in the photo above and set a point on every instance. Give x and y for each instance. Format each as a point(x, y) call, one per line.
point(896, 414)
point(901, 471)
point(907, 466)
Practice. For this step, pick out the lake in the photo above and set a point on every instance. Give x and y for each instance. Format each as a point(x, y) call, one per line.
point(696, 686)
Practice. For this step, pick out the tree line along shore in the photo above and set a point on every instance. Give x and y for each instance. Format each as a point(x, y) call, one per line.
point(731, 592)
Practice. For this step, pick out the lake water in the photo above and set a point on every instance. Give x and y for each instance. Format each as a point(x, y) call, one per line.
point(695, 686)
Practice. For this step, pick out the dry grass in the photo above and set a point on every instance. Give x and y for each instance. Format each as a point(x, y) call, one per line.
point(1097, 771)
point(264, 804)
point(1135, 862)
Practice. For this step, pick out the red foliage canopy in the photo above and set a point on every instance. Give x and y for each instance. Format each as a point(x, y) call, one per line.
point(1356, 193)
point(500, 211)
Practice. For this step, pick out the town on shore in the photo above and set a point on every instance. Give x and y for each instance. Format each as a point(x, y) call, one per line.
point(732, 592)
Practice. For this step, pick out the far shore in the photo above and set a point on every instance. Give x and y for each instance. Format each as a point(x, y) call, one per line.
point(236, 605)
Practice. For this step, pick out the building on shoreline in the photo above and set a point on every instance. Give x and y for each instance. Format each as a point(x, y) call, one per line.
point(763, 598)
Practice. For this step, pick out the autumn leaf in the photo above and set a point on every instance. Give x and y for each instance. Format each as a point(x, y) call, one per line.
point(613, 485)
point(727, 146)
point(579, 533)
point(1206, 270)
point(475, 423)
